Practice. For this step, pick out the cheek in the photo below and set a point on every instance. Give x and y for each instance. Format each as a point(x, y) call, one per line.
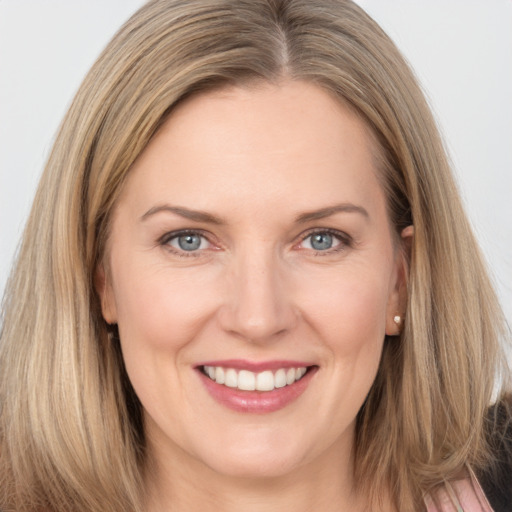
point(350, 309)
point(159, 315)
point(160, 308)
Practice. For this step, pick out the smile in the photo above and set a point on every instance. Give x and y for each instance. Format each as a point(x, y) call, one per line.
point(257, 388)
point(246, 380)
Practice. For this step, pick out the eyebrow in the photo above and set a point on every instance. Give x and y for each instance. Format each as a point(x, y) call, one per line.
point(331, 210)
point(208, 218)
point(195, 215)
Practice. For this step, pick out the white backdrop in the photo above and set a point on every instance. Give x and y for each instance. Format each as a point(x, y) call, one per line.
point(460, 49)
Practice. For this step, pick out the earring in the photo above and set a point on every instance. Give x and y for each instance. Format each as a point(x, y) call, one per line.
point(397, 319)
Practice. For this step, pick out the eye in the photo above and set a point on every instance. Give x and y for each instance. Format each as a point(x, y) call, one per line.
point(324, 241)
point(186, 241)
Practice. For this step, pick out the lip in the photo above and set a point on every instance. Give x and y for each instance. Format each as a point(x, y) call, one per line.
point(256, 402)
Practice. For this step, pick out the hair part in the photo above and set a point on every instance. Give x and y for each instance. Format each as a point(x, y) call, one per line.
point(71, 430)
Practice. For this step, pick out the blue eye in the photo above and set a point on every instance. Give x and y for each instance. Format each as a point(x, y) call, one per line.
point(187, 242)
point(322, 241)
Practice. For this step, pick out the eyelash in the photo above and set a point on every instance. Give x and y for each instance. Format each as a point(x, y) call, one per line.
point(345, 241)
point(168, 237)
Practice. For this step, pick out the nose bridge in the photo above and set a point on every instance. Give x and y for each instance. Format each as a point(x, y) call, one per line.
point(259, 305)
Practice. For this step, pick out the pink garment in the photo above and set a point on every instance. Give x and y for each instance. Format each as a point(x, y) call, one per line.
point(461, 495)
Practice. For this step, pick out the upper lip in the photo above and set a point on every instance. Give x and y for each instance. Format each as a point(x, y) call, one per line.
point(255, 366)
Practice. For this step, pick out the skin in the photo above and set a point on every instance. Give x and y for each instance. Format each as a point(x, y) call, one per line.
point(255, 158)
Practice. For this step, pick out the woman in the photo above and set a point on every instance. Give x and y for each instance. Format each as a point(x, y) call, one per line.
point(247, 281)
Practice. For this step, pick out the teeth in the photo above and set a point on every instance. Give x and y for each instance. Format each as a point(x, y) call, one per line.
point(219, 375)
point(246, 380)
point(231, 378)
point(265, 381)
point(280, 378)
point(300, 373)
point(250, 381)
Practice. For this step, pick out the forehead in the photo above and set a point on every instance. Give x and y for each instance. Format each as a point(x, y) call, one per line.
point(291, 142)
point(258, 109)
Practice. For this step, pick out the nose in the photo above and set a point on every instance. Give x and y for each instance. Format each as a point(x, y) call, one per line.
point(258, 305)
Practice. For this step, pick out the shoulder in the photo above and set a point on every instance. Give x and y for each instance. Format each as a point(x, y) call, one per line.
point(496, 480)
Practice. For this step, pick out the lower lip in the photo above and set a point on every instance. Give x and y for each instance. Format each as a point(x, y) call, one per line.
point(257, 402)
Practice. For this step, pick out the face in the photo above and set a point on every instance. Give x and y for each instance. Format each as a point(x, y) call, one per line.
point(253, 274)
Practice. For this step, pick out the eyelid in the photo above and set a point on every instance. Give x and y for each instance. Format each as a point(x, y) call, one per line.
point(344, 239)
point(167, 237)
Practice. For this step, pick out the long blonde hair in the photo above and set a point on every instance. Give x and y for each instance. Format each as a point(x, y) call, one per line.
point(71, 431)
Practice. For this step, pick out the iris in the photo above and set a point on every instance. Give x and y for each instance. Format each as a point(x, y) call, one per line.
point(321, 241)
point(189, 242)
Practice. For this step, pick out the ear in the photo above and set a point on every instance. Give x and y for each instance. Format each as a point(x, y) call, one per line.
point(106, 294)
point(397, 302)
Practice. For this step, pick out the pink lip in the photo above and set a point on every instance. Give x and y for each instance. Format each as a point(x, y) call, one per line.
point(256, 402)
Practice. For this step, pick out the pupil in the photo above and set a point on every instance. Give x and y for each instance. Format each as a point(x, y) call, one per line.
point(321, 241)
point(189, 242)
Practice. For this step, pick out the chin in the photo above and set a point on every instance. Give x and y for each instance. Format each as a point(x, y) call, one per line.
point(263, 468)
point(254, 461)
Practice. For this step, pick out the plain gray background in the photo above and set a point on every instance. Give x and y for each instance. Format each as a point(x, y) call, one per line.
point(461, 51)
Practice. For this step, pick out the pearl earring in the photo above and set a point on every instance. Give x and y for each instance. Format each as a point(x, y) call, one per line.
point(397, 319)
